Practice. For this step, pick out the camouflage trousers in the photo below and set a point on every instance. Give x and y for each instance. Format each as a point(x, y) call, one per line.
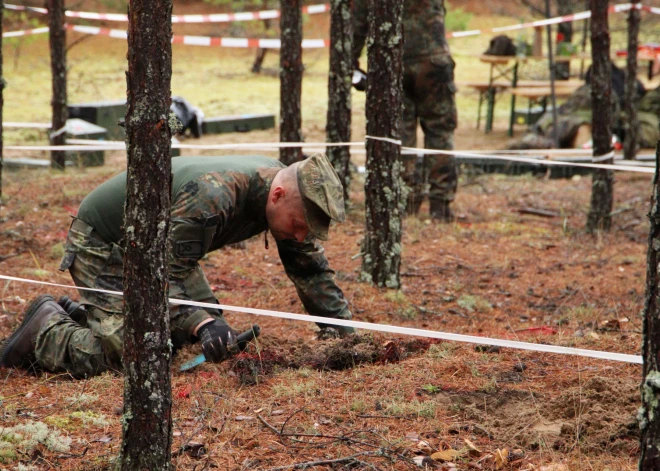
point(429, 100)
point(95, 344)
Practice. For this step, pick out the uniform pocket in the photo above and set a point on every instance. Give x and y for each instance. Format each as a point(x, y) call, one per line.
point(443, 70)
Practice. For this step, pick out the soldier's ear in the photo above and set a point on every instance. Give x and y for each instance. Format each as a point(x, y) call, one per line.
point(277, 194)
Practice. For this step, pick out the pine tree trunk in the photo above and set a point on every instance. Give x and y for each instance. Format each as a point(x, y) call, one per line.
point(601, 95)
point(564, 35)
point(57, 41)
point(2, 98)
point(147, 420)
point(290, 79)
point(384, 202)
point(630, 100)
point(338, 126)
point(649, 413)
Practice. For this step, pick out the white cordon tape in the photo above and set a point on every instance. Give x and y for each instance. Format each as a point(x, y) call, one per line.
point(391, 329)
point(212, 18)
point(119, 146)
point(604, 157)
point(474, 155)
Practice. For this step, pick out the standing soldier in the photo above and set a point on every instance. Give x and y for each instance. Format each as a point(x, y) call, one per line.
point(428, 96)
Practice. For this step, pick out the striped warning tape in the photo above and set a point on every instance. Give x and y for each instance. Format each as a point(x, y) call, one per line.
point(212, 18)
point(204, 40)
point(26, 32)
point(392, 329)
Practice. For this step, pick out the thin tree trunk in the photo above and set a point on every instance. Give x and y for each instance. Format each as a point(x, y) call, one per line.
point(601, 96)
point(57, 41)
point(147, 420)
point(290, 79)
point(649, 413)
point(2, 97)
point(338, 126)
point(630, 100)
point(564, 35)
point(384, 200)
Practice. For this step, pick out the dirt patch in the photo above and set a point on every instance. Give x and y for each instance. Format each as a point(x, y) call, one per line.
point(331, 354)
point(596, 416)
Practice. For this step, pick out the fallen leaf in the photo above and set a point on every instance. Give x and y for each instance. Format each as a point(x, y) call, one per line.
point(277, 412)
point(103, 439)
point(472, 448)
point(446, 455)
point(423, 447)
point(422, 461)
point(258, 410)
point(29, 395)
point(554, 467)
point(501, 458)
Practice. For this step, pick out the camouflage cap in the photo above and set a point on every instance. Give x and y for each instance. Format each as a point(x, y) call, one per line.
point(322, 194)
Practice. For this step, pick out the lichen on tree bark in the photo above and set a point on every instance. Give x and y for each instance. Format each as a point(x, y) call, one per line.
point(338, 126)
point(602, 187)
point(147, 419)
point(384, 204)
point(291, 70)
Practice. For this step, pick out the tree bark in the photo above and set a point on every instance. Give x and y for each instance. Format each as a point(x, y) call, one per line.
point(57, 42)
point(630, 100)
point(601, 96)
point(650, 411)
point(147, 420)
point(290, 79)
point(338, 126)
point(2, 98)
point(384, 200)
point(564, 35)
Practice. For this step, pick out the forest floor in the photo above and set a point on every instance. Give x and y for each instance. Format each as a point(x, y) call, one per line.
point(375, 401)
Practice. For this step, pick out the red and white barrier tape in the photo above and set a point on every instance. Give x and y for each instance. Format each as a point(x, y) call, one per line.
point(204, 40)
point(212, 18)
point(391, 329)
point(26, 32)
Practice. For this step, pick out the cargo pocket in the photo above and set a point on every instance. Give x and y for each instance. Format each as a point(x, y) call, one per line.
point(443, 71)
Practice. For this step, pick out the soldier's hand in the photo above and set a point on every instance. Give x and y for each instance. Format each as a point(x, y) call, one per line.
point(218, 341)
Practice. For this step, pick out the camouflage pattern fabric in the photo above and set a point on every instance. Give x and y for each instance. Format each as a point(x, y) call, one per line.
point(428, 97)
point(209, 211)
point(576, 111)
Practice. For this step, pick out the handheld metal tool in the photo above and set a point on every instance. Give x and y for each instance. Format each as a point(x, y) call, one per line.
point(241, 340)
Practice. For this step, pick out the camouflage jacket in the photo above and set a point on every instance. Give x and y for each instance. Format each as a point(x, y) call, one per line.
point(423, 28)
point(218, 201)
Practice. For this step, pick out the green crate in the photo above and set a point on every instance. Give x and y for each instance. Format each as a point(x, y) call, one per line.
point(103, 113)
point(237, 123)
point(79, 129)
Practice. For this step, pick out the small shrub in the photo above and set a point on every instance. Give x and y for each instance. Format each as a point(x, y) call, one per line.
point(456, 19)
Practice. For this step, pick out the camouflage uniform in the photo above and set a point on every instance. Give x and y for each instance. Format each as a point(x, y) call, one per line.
point(428, 97)
point(576, 111)
point(216, 201)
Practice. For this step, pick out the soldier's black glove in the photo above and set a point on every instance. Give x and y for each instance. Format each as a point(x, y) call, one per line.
point(218, 341)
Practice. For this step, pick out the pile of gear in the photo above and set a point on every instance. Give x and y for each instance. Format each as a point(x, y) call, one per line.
point(574, 118)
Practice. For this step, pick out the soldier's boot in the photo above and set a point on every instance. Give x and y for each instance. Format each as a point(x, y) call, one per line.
point(18, 349)
point(441, 210)
point(75, 310)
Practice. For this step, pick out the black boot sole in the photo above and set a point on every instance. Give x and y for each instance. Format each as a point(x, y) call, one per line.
point(29, 314)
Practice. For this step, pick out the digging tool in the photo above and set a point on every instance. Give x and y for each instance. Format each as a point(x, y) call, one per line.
point(241, 340)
